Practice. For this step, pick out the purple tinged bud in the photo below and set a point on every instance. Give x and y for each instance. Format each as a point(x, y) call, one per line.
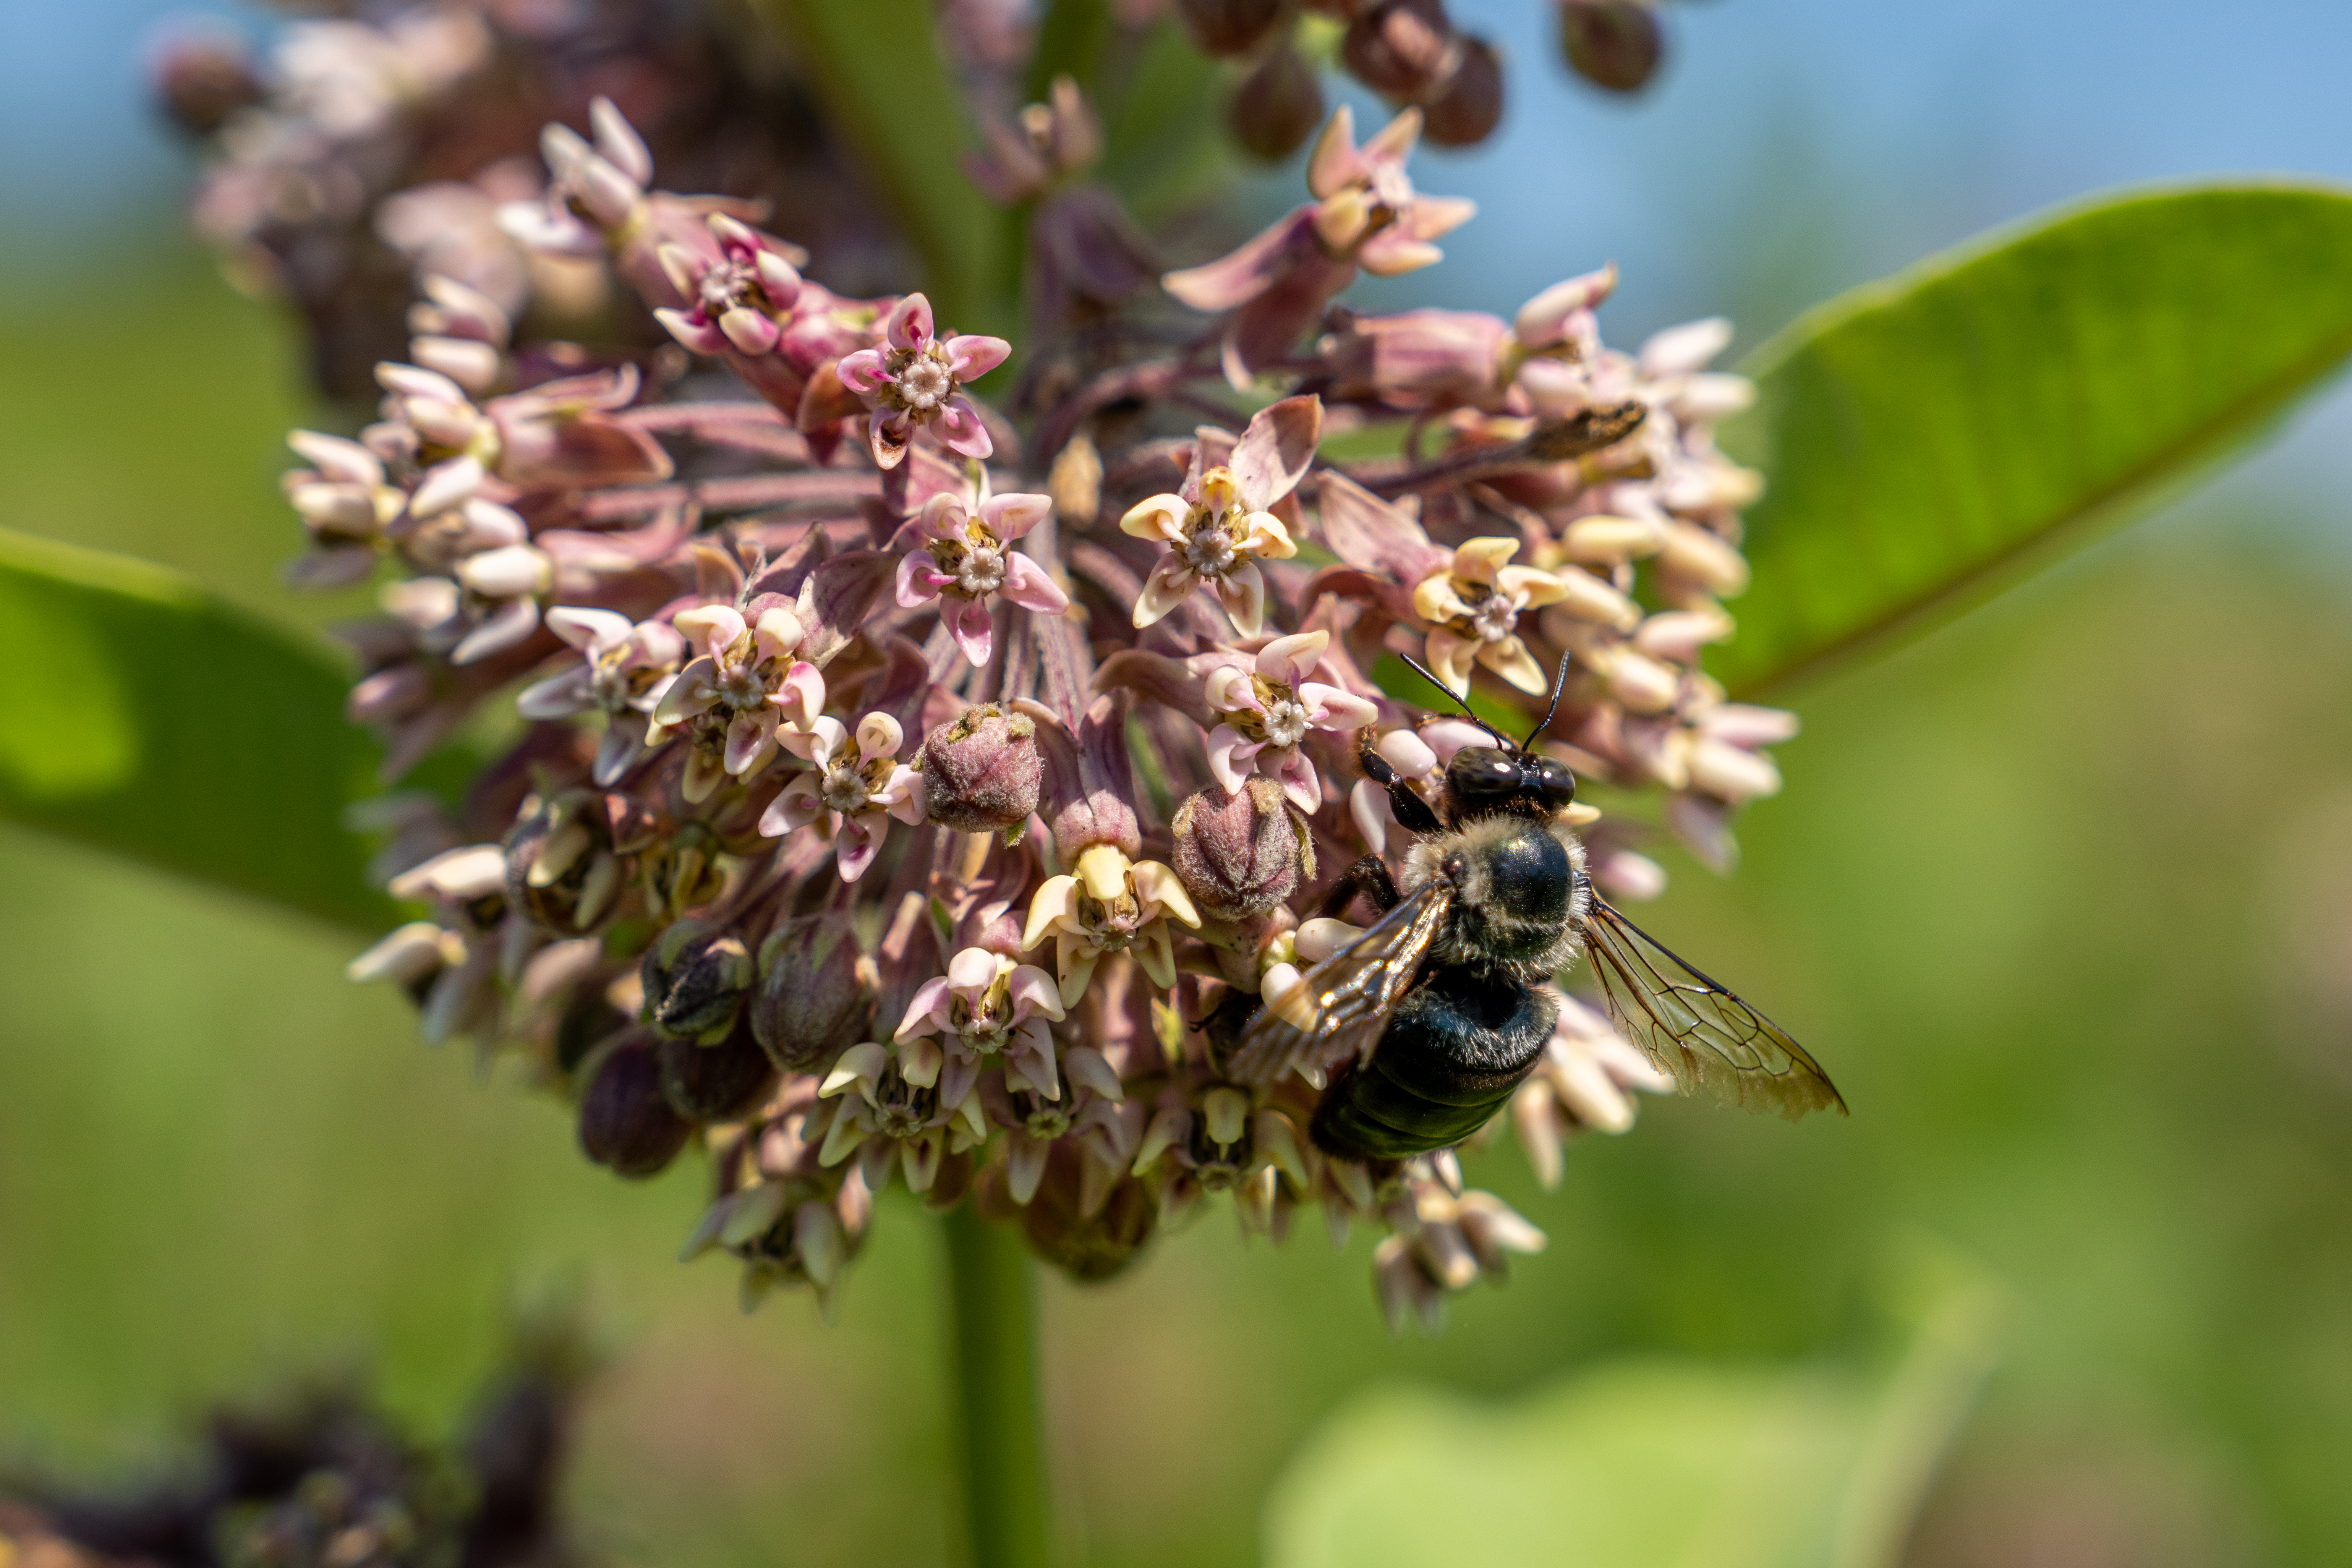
point(982, 771)
point(1276, 107)
point(696, 975)
point(716, 1083)
point(625, 1123)
point(1465, 110)
point(815, 992)
point(1229, 26)
point(1613, 44)
point(1397, 47)
point(204, 77)
point(1240, 855)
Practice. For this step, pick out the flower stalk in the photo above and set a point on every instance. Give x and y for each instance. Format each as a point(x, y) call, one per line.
point(1000, 1423)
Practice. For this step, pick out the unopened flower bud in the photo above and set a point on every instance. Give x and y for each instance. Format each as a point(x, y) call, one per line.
point(1276, 107)
point(696, 977)
point(1615, 44)
point(203, 77)
point(815, 994)
point(1228, 26)
point(625, 1123)
point(716, 1083)
point(1467, 110)
point(1398, 47)
point(1707, 559)
point(982, 771)
point(1240, 855)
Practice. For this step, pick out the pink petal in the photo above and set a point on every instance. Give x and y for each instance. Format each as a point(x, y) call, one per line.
point(1277, 450)
point(800, 699)
point(750, 330)
point(857, 844)
point(1031, 987)
point(1334, 164)
point(972, 628)
point(910, 324)
point(1392, 143)
point(1291, 659)
point(1247, 272)
point(1328, 708)
point(1027, 585)
point(863, 372)
point(557, 697)
point(1298, 781)
point(791, 811)
point(700, 336)
point(927, 1014)
point(1228, 747)
point(1010, 516)
point(750, 740)
point(585, 628)
point(918, 579)
point(960, 429)
point(971, 356)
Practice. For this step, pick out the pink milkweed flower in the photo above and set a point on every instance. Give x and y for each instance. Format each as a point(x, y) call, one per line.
point(1219, 523)
point(1366, 207)
point(624, 670)
point(1091, 1116)
point(1272, 710)
point(1112, 905)
point(964, 560)
point(856, 781)
point(987, 1007)
point(1473, 606)
point(916, 380)
point(747, 670)
point(902, 1116)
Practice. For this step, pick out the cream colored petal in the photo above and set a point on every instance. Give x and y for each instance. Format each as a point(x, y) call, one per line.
point(1510, 659)
point(1529, 587)
point(1479, 558)
point(1054, 903)
point(1171, 584)
point(1155, 883)
point(1435, 600)
point(879, 735)
point(1162, 517)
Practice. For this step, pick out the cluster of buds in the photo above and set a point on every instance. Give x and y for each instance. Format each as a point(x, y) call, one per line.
point(911, 793)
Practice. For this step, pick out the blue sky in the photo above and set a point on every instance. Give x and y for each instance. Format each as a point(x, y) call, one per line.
point(1795, 147)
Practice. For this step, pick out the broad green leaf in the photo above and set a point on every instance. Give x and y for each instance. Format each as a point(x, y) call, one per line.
point(1933, 437)
point(146, 716)
point(1650, 1463)
point(878, 74)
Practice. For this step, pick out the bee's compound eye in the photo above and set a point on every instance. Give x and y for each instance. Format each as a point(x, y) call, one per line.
point(1485, 772)
point(1552, 781)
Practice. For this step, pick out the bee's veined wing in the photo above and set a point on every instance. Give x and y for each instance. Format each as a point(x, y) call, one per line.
point(1345, 1002)
point(1697, 1030)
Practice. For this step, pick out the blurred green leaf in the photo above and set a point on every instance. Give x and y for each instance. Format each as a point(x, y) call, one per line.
point(1652, 1463)
point(1932, 436)
point(878, 74)
point(144, 715)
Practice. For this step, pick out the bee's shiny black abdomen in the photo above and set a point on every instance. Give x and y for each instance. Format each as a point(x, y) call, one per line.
point(1455, 1048)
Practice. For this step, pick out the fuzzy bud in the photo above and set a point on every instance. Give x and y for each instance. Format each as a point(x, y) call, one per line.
point(625, 1123)
point(1276, 107)
point(1228, 26)
point(716, 1083)
point(1614, 43)
point(1240, 855)
point(696, 977)
point(982, 771)
point(814, 997)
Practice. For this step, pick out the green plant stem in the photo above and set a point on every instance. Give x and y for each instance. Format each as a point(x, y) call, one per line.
point(999, 1424)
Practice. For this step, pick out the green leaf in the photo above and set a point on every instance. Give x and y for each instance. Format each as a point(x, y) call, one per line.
point(1932, 437)
point(1650, 1463)
point(876, 72)
point(144, 715)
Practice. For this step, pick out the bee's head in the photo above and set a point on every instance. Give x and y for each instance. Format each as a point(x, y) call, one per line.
point(1489, 778)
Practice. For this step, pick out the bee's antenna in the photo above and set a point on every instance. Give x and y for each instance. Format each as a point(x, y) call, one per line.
point(1423, 670)
point(1559, 685)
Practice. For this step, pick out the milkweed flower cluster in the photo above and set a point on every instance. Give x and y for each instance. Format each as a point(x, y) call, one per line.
point(917, 747)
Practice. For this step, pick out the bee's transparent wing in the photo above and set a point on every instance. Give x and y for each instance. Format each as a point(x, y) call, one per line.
point(1346, 997)
point(1697, 1030)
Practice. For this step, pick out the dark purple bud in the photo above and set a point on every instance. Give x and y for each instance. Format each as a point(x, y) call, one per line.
point(982, 771)
point(1615, 44)
point(1276, 108)
point(1088, 1247)
point(696, 977)
point(816, 992)
point(589, 1019)
point(1398, 47)
point(1240, 855)
point(1229, 26)
point(625, 1123)
point(1467, 110)
point(716, 1083)
point(203, 77)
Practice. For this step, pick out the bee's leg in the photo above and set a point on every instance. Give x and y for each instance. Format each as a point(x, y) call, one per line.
point(1370, 877)
point(1413, 813)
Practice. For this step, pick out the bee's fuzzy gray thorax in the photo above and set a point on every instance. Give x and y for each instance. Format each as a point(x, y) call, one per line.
point(1478, 927)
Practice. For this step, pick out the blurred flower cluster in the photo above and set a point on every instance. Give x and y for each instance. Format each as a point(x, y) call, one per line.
point(324, 1477)
point(897, 745)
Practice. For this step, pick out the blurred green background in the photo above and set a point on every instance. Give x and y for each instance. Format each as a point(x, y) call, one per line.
point(2059, 894)
point(2062, 894)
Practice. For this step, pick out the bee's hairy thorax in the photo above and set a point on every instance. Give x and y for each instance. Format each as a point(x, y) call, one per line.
point(1520, 900)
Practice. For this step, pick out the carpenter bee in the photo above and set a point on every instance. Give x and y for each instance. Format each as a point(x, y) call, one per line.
point(1430, 1019)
